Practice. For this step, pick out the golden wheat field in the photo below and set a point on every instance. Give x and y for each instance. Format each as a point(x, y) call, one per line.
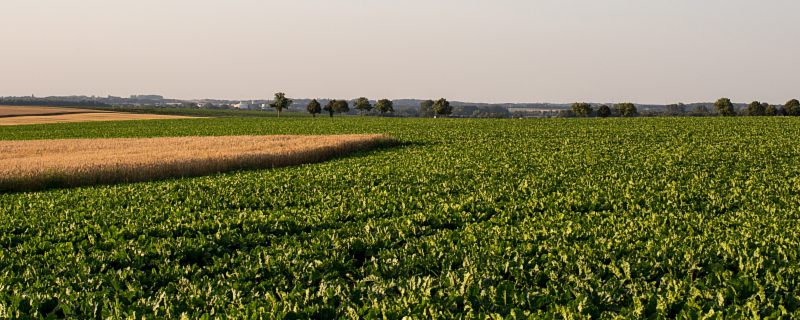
point(19, 115)
point(38, 164)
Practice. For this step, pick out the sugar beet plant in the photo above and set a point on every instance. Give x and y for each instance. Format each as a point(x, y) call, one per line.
point(575, 218)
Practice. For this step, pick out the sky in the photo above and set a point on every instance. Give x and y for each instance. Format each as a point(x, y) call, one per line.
point(561, 51)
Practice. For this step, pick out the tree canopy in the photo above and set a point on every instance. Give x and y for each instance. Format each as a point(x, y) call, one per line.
point(626, 109)
point(329, 107)
point(442, 107)
point(341, 106)
point(280, 102)
point(771, 110)
point(363, 105)
point(725, 107)
point(603, 111)
point(314, 107)
point(757, 109)
point(792, 108)
point(384, 106)
point(426, 108)
point(582, 109)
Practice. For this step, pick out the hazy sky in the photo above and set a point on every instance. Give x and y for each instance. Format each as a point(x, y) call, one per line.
point(648, 51)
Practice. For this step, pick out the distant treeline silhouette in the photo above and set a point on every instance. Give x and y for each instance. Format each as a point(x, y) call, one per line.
point(723, 107)
point(442, 108)
point(50, 102)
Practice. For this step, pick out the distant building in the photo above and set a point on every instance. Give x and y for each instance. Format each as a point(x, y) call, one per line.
point(245, 105)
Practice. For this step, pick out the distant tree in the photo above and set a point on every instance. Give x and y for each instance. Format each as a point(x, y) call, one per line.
point(702, 110)
point(756, 109)
point(384, 106)
point(426, 109)
point(280, 102)
point(189, 105)
point(725, 107)
point(329, 107)
point(770, 110)
point(362, 105)
point(676, 109)
point(792, 108)
point(626, 109)
point(209, 105)
point(314, 108)
point(442, 107)
point(603, 111)
point(582, 109)
point(341, 106)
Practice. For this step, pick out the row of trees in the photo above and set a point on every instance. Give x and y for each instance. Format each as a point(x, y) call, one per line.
point(442, 107)
point(791, 108)
point(383, 105)
point(583, 109)
point(333, 106)
point(430, 108)
point(723, 106)
point(341, 106)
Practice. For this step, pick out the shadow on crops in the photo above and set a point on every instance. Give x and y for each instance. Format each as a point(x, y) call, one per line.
point(196, 168)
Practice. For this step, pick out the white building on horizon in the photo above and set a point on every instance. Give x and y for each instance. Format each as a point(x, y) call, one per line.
point(245, 105)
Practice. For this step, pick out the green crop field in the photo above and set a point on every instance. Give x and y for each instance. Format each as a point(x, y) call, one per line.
point(550, 218)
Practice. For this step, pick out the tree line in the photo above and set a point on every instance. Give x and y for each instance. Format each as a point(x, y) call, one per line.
point(582, 109)
point(362, 104)
point(428, 108)
point(47, 102)
point(726, 108)
point(723, 106)
point(442, 107)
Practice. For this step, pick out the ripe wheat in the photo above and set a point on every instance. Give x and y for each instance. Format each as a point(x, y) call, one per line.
point(37, 164)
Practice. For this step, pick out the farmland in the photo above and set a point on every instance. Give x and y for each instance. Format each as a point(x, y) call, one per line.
point(17, 111)
point(659, 217)
point(39, 164)
point(22, 115)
